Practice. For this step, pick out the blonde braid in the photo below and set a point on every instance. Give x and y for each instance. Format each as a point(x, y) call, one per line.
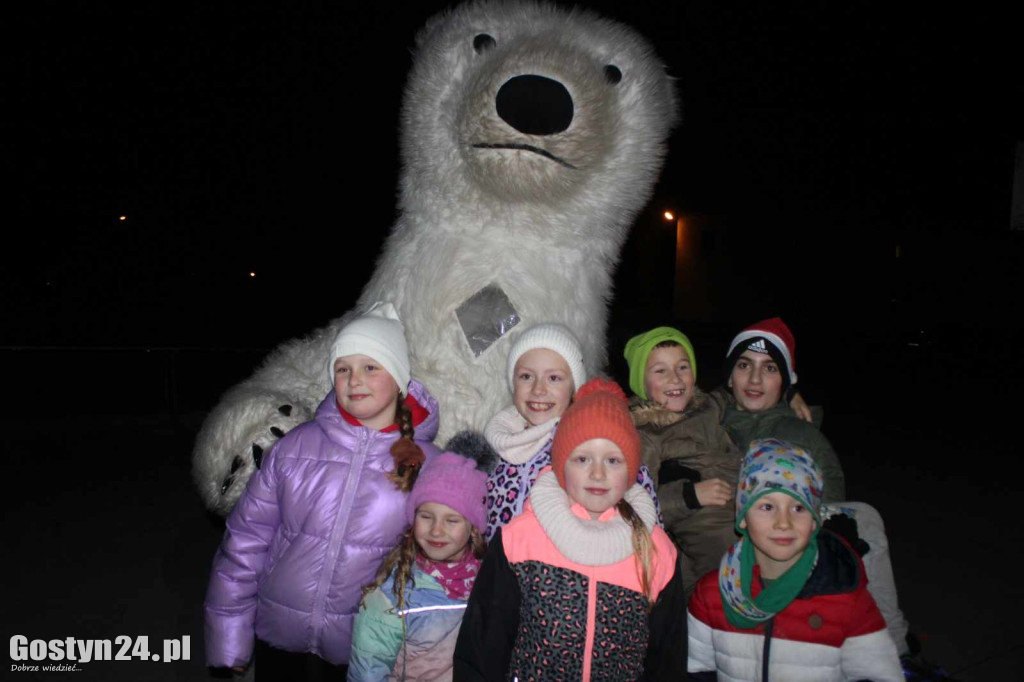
point(399, 561)
point(477, 544)
point(643, 547)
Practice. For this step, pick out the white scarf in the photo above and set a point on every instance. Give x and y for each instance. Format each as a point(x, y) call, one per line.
point(513, 437)
point(587, 541)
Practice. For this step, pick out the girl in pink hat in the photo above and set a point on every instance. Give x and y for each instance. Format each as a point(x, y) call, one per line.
point(411, 612)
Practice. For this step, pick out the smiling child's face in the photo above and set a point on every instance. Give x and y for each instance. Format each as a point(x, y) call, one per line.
point(668, 378)
point(441, 532)
point(543, 386)
point(596, 475)
point(365, 390)
point(780, 527)
point(756, 381)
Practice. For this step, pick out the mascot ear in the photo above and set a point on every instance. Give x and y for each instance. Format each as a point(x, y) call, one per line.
point(483, 42)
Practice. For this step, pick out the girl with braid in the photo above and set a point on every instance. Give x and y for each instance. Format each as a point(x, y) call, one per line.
point(325, 508)
point(410, 616)
point(582, 585)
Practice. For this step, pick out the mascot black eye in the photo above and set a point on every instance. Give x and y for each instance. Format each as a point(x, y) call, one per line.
point(482, 43)
point(612, 74)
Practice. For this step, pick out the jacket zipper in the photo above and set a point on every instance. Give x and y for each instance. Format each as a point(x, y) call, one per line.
point(338, 533)
point(588, 641)
point(766, 653)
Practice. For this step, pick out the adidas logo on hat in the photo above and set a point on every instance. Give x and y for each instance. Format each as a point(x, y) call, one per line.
point(766, 336)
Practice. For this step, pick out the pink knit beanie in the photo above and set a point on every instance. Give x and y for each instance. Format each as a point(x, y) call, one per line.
point(452, 480)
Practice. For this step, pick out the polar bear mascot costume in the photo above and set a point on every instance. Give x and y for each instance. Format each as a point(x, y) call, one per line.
point(531, 136)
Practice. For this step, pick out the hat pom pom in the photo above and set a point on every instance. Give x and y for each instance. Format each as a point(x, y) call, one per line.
point(599, 385)
point(473, 445)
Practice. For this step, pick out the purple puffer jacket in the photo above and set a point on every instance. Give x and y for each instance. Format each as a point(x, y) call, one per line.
point(310, 530)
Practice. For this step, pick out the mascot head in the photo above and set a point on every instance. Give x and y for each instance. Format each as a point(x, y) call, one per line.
point(531, 136)
point(525, 104)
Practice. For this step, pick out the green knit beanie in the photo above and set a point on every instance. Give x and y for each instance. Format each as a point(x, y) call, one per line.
point(639, 347)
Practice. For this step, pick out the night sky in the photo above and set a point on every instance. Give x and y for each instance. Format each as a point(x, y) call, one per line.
point(850, 164)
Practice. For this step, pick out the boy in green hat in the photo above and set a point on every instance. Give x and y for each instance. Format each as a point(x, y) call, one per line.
point(691, 457)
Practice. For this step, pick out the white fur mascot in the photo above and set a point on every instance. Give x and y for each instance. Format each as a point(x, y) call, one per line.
point(531, 137)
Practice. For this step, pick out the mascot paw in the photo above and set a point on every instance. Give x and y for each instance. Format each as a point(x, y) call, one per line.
point(235, 440)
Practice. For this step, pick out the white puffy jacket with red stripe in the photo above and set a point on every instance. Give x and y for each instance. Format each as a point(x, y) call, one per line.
point(832, 632)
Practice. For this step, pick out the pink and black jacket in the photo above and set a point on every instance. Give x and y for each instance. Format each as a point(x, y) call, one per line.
point(537, 614)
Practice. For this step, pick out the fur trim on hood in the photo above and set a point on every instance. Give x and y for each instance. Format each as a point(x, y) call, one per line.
point(651, 413)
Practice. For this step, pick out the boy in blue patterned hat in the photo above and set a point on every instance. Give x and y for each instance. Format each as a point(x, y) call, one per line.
point(790, 601)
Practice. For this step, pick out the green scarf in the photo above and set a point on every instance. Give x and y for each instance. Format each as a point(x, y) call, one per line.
point(736, 575)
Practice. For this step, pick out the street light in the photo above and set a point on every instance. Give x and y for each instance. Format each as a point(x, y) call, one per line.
point(688, 286)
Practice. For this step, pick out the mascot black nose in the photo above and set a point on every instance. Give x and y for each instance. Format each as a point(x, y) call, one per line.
point(535, 105)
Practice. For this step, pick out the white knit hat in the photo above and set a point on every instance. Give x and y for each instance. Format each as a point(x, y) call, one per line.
point(377, 334)
point(554, 337)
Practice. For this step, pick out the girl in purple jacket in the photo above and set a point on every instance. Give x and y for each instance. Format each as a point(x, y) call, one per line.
point(324, 509)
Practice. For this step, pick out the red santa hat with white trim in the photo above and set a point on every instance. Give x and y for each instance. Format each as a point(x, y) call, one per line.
point(770, 336)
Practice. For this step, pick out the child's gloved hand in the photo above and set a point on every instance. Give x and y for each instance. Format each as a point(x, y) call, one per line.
point(846, 528)
point(713, 492)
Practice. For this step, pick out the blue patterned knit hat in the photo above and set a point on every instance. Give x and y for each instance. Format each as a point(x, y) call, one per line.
point(774, 466)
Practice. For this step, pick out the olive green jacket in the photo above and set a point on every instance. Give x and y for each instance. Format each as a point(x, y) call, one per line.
point(781, 423)
point(680, 449)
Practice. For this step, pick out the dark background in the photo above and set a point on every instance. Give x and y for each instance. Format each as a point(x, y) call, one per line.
point(847, 166)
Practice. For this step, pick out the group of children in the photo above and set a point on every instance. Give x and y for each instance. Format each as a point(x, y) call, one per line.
point(615, 539)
